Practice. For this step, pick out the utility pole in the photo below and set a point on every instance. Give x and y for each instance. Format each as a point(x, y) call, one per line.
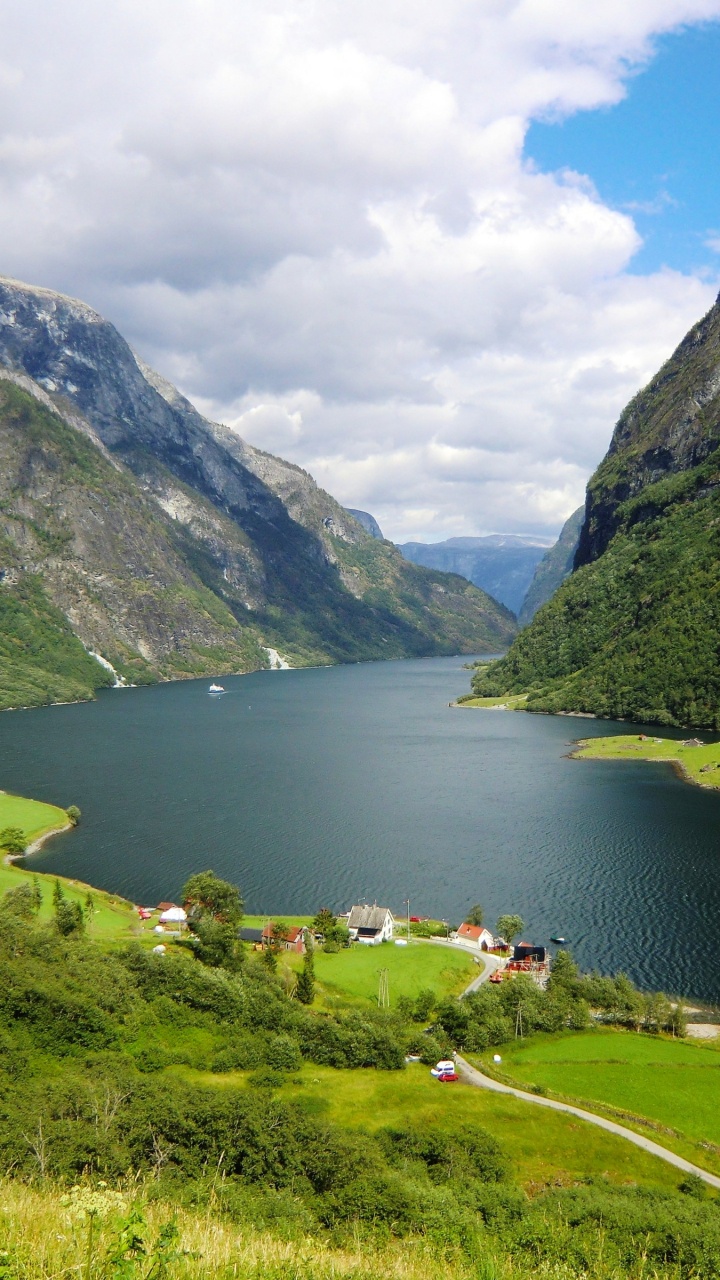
point(384, 990)
point(518, 1023)
point(407, 903)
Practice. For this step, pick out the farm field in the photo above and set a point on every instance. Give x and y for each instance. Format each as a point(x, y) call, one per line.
point(353, 973)
point(671, 1083)
point(545, 1147)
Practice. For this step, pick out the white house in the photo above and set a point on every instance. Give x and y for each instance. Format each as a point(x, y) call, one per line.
point(371, 924)
point(475, 935)
point(174, 915)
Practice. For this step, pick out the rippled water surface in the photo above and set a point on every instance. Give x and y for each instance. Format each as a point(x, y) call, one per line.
point(325, 786)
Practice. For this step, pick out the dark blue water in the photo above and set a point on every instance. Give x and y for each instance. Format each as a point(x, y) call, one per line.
point(327, 786)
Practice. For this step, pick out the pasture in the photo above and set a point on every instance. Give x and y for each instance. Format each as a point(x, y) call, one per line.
point(545, 1148)
point(672, 1084)
point(353, 974)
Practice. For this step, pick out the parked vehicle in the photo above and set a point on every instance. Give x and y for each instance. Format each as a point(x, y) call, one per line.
point(441, 1068)
point(448, 1077)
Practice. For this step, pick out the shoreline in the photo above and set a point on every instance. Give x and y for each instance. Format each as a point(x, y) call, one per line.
point(594, 749)
point(37, 844)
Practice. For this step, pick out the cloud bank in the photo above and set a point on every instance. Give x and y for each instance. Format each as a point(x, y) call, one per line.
point(316, 218)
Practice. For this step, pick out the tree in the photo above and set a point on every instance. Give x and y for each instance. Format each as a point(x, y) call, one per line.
point(205, 895)
point(217, 945)
point(324, 921)
point(305, 990)
point(475, 915)
point(58, 895)
point(73, 814)
point(509, 926)
point(13, 840)
point(89, 905)
point(21, 901)
point(279, 934)
point(69, 917)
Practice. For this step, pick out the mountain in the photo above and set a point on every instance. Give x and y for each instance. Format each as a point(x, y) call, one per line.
point(553, 569)
point(634, 632)
point(134, 528)
point(368, 522)
point(501, 564)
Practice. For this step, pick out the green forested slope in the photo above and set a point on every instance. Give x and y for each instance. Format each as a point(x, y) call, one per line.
point(635, 631)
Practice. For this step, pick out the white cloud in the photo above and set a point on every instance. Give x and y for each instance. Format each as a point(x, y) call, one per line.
point(315, 216)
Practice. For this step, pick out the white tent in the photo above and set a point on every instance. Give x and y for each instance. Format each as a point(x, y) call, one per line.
point(175, 915)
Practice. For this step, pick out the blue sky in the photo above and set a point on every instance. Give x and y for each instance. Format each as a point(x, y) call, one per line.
point(656, 154)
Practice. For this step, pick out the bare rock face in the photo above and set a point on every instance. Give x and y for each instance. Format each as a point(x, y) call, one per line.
point(170, 545)
point(672, 425)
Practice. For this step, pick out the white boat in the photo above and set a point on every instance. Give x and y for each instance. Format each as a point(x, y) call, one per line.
point(216, 688)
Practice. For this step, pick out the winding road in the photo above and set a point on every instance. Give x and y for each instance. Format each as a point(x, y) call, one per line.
point(472, 1076)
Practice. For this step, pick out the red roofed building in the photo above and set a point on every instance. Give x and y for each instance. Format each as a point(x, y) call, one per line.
point(477, 935)
point(294, 941)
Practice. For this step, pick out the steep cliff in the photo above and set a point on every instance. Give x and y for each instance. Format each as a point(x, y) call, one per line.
point(168, 545)
point(634, 632)
point(553, 569)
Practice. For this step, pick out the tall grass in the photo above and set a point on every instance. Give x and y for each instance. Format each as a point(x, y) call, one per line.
point(49, 1234)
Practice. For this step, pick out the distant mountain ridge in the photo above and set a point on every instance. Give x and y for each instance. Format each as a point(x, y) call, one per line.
point(133, 527)
point(502, 564)
point(634, 632)
point(556, 565)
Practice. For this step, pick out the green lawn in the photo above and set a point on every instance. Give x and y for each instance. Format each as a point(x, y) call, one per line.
point(673, 1084)
point(513, 701)
point(354, 973)
point(113, 919)
point(692, 760)
point(32, 816)
point(545, 1147)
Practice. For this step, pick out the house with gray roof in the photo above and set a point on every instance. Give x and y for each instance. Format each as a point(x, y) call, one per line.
point(371, 924)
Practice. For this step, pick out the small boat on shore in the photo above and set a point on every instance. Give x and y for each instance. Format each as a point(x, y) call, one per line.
point(558, 939)
point(216, 688)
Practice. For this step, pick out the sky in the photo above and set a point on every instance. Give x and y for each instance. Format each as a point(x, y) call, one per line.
point(427, 250)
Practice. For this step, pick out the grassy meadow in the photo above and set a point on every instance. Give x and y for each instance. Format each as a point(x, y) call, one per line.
point(698, 764)
point(112, 919)
point(353, 974)
point(512, 701)
point(672, 1085)
point(546, 1148)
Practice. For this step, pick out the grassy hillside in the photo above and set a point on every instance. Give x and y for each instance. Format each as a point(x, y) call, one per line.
point(278, 1138)
point(667, 1086)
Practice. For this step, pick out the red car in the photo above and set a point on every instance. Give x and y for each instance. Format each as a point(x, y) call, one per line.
point(448, 1077)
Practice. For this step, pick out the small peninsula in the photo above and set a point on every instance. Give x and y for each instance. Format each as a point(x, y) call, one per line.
point(696, 761)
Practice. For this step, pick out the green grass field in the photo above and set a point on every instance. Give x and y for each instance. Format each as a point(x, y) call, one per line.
point(672, 1084)
point(512, 701)
point(545, 1147)
point(32, 816)
point(692, 760)
point(354, 973)
point(113, 919)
